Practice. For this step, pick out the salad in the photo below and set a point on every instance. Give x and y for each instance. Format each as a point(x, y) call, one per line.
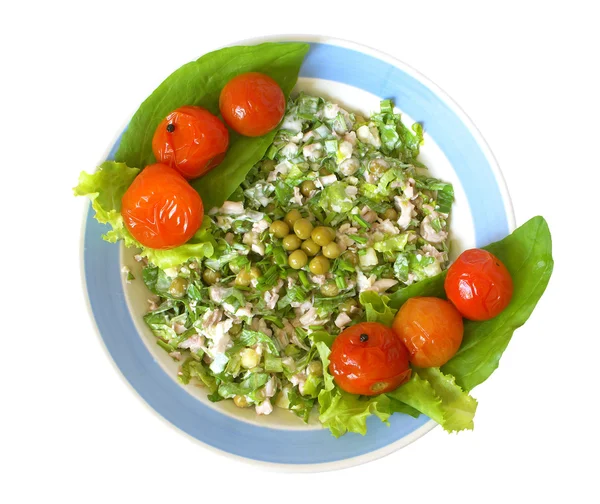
point(296, 253)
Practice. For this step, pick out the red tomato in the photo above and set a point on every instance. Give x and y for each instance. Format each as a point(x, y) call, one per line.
point(252, 104)
point(479, 285)
point(431, 328)
point(191, 140)
point(161, 209)
point(369, 359)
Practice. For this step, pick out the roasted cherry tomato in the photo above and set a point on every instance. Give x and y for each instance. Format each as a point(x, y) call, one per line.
point(479, 285)
point(369, 359)
point(191, 140)
point(431, 328)
point(161, 209)
point(252, 104)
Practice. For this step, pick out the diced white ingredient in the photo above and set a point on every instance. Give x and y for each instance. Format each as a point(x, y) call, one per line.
point(328, 179)
point(152, 304)
point(125, 270)
point(245, 311)
point(260, 226)
point(349, 166)
point(409, 190)
point(270, 299)
point(369, 258)
point(232, 208)
point(259, 248)
point(298, 379)
point(289, 363)
point(283, 168)
point(224, 222)
point(297, 198)
point(368, 215)
point(364, 282)
point(218, 293)
point(171, 272)
point(342, 320)
point(431, 251)
point(344, 151)
point(194, 343)
point(331, 110)
point(264, 408)
point(138, 257)
point(289, 150)
point(317, 279)
point(310, 134)
point(383, 285)
point(369, 135)
point(179, 328)
point(292, 123)
point(387, 227)
point(271, 387)
point(351, 191)
point(350, 137)
point(429, 234)
point(218, 364)
point(405, 208)
point(313, 151)
point(175, 355)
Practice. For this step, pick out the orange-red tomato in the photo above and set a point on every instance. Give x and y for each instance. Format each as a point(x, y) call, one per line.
point(369, 359)
point(431, 328)
point(252, 104)
point(161, 209)
point(479, 285)
point(191, 140)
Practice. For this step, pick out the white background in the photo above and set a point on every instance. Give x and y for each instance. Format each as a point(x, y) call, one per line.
point(72, 429)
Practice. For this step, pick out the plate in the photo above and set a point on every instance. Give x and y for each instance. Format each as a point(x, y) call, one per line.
point(357, 78)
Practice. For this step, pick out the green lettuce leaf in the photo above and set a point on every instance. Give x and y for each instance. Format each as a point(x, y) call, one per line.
point(436, 395)
point(376, 308)
point(527, 253)
point(200, 83)
point(341, 412)
point(106, 187)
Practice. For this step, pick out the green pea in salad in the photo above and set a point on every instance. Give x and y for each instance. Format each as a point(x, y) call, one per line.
point(296, 254)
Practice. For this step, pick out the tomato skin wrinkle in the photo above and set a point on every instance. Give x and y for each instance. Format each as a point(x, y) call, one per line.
point(160, 208)
point(479, 285)
point(431, 328)
point(252, 104)
point(191, 140)
point(369, 366)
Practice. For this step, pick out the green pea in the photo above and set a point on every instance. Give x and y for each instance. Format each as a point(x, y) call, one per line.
point(348, 305)
point(291, 242)
point(211, 277)
point(319, 265)
point(297, 259)
point(243, 278)
point(310, 247)
point(350, 257)
point(291, 217)
point(332, 250)
point(307, 187)
point(330, 289)
point(235, 329)
point(303, 228)
point(279, 229)
point(178, 287)
point(390, 213)
point(240, 401)
point(322, 235)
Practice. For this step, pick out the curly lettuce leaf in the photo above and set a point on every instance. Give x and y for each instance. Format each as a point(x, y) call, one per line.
point(436, 395)
point(377, 308)
point(106, 187)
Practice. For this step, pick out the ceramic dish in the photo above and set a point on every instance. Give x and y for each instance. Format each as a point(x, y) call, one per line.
point(355, 77)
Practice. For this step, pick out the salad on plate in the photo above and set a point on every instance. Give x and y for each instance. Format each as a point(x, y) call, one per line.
point(297, 253)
